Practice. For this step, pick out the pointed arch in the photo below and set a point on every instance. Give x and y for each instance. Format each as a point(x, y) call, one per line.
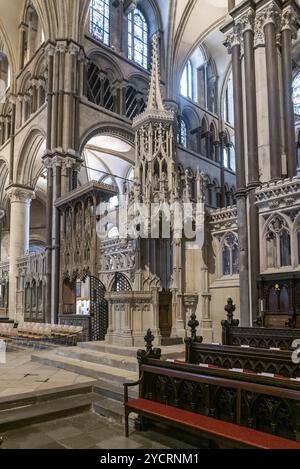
point(29, 163)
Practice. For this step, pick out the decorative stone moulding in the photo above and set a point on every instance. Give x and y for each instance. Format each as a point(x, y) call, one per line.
point(223, 220)
point(278, 194)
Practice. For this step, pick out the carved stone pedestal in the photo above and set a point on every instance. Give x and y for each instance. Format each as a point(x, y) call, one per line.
point(130, 314)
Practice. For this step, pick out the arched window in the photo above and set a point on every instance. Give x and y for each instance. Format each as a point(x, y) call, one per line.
point(212, 142)
point(138, 38)
point(99, 88)
point(31, 34)
point(4, 74)
point(278, 244)
point(135, 102)
point(100, 20)
point(204, 142)
point(183, 133)
point(228, 104)
point(230, 255)
point(186, 83)
point(296, 94)
point(232, 157)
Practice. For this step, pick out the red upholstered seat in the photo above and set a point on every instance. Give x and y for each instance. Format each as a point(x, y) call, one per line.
point(217, 428)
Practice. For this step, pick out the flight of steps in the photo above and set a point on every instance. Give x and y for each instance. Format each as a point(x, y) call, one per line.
point(43, 406)
point(110, 365)
point(98, 360)
point(27, 409)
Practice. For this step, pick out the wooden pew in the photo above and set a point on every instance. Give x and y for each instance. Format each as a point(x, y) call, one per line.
point(258, 337)
point(245, 411)
point(258, 360)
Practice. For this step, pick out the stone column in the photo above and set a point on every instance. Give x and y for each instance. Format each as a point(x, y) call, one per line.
point(270, 19)
point(233, 44)
point(250, 94)
point(290, 26)
point(20, 200)
point(56, 242)
point(178, 326)
point(49, 214)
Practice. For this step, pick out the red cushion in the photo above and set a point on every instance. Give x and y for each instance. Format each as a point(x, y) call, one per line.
point(213, 426)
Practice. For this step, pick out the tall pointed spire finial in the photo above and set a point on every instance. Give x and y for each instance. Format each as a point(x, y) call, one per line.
point(155, 100)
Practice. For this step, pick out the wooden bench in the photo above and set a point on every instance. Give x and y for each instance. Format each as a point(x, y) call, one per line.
point(207, 427)
point(258, 337)
point(221, 405)
point(258, 360)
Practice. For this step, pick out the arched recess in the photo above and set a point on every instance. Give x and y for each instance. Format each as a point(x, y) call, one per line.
point(29, 162)
point(136, 95)
point(105, 62)
point(278, 246)
point(124, 133)
point(192, 119)
point(120, 283)
point(31, 33)
point(107, 155)
point(4, 173)
point(9, 50)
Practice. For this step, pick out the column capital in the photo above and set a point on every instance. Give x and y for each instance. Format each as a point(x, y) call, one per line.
point(73, 49)
point(246, 20)
point(62, 46)
point(290, 21)
point(271, 13)
point(20, 194)
point(50, 50)
point(234, 38)
point(63, 162)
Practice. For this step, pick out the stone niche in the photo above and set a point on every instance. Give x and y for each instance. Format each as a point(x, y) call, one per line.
point(131, 314)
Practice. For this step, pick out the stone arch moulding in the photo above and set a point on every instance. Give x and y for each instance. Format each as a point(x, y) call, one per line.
point(105, 62)
point(25, 165)
point(123, 133)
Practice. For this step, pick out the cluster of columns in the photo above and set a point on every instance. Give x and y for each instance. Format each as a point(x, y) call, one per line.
point(259, 38)
point(29, 102)
point(66, 63)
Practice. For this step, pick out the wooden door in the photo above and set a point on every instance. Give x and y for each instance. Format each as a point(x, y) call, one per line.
point(165, 314)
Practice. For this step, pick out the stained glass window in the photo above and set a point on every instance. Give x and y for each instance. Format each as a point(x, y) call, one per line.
point(138, 38)
point(296, 94)
point(99, 20)
point(228, 105)
point(186, 83)
point(183, 133)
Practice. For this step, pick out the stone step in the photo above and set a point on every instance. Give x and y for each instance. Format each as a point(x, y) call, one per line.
point(169, 341)
point(101, 358)
point(37, 397)
point(172, 351)
point(85, 368)
point(109, 408)
point(114, 391)
point(44, 411)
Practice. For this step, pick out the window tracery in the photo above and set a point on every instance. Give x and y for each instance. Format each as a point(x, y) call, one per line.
point(100, 20)
point(138, 38)
point(230, 255)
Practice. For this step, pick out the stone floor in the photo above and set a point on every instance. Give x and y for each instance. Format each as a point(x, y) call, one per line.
point(20, 375)
point(88, 431)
